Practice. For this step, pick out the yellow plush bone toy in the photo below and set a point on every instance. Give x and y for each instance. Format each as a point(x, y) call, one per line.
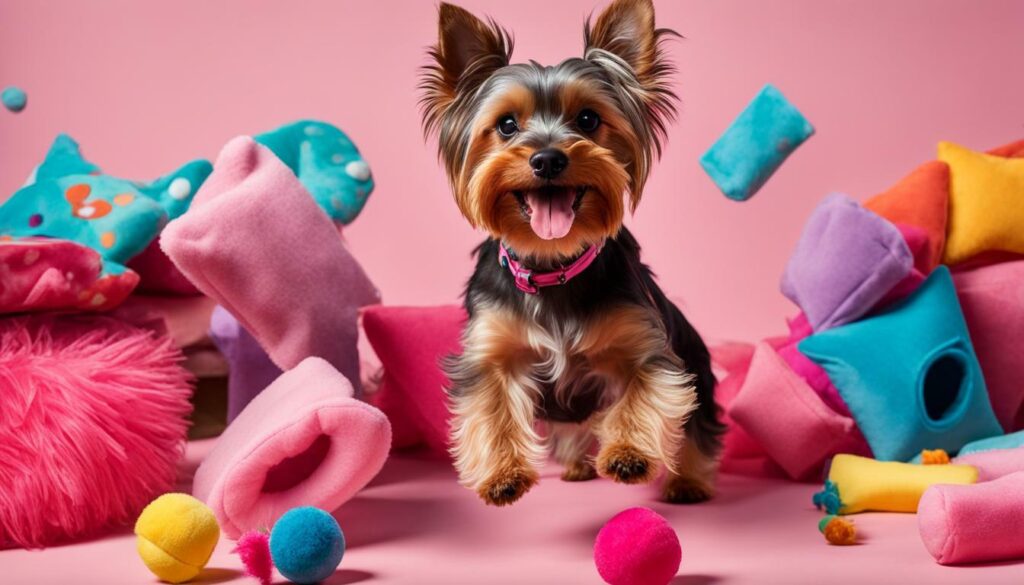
point(858, 484)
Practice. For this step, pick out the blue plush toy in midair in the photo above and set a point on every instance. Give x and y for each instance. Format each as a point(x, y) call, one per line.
point(757, 142)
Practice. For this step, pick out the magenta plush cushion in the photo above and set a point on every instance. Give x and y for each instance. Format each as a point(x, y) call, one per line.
point(845, 262)
point(93, 416)
point(410, 342)
point(304, 441)
point(815, 376)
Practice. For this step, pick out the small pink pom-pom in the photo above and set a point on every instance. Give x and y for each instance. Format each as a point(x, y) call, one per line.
point(637, 547)
point(254, 550)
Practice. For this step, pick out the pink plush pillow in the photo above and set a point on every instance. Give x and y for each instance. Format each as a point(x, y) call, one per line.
point(973, 523)
point(992, 299)
point(410, 342)
point(304, 441)
point(995, 463)
point(256, 241)
point(778, 409)
point(42, 274)
point(741, 453)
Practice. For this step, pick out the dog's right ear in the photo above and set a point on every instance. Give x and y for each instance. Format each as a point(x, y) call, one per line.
point(467, 52)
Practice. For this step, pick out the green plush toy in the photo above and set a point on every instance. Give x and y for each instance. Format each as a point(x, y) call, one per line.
point(326, 162)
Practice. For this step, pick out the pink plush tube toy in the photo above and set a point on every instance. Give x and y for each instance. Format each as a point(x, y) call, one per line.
point(974, 523)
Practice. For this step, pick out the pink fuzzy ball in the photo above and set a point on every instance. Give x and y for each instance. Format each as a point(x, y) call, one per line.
point(637, 547)
point(93, 417)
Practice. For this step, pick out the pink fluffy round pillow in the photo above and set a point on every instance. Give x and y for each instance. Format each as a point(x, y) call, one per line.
point(637, 547)
point(92, 425)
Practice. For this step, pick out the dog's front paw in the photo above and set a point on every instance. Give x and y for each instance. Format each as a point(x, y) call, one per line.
point(507, 487)
point(625, 464)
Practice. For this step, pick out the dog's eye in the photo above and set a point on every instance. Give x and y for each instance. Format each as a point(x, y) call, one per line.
point(588, 120)
point(507, 126)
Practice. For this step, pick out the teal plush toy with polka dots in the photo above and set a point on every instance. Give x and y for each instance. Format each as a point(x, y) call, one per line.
point(326, 162)
point(68, 197)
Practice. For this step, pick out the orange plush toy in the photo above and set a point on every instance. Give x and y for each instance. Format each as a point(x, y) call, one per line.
point(920, 199)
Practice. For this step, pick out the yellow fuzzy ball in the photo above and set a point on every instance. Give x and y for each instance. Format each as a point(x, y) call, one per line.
point(176, 535)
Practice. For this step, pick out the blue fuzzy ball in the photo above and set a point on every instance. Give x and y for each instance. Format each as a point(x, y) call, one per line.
point(14, 99)
point(307, 545)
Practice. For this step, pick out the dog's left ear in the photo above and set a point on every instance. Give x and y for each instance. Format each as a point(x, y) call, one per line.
point(625, 43)
point(626, 30)
point(467, 52)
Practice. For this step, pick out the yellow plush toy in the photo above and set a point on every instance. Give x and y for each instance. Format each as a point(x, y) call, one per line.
point(176, 535)
point(986, 203)
point(858, 484)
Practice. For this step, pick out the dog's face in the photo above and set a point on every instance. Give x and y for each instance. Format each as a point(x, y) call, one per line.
point(544, 157)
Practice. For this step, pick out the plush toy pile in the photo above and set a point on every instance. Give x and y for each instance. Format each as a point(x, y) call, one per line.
point(96, 406)
point(912, 306)
point(909, 318)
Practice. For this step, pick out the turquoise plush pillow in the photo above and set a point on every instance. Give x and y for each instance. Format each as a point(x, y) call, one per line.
point(909, 374)
point(326, 162)
point(1010, 441)
point(68, 198)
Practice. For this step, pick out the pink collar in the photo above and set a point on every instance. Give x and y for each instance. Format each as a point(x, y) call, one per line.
point(530, 282)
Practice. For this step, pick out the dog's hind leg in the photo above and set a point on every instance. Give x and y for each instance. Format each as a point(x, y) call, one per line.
point(570, 445)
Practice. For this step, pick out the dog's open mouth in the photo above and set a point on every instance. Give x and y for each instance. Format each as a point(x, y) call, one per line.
point(551, 209)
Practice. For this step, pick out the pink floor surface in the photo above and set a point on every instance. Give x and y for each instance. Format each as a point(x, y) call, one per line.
point(414, 525)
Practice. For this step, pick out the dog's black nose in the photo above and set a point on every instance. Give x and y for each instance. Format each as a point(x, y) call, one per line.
point(548, 163)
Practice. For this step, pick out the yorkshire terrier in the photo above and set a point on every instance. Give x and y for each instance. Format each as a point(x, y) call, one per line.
point(566, 325)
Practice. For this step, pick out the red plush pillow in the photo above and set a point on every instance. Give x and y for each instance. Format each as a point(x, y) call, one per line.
point(158, 275)
point(42, 274)
point(1011, 150)
point(411, 342)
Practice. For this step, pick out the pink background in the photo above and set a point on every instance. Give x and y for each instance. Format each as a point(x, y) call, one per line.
point(146, 85)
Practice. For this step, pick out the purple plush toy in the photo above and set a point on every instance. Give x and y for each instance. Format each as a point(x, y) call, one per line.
point(251, 368)
point(846, 261)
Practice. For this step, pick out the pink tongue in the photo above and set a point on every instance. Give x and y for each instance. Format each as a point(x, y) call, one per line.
point(552, 214)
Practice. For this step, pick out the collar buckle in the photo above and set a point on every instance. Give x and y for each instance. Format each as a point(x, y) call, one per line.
point(524, 281)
